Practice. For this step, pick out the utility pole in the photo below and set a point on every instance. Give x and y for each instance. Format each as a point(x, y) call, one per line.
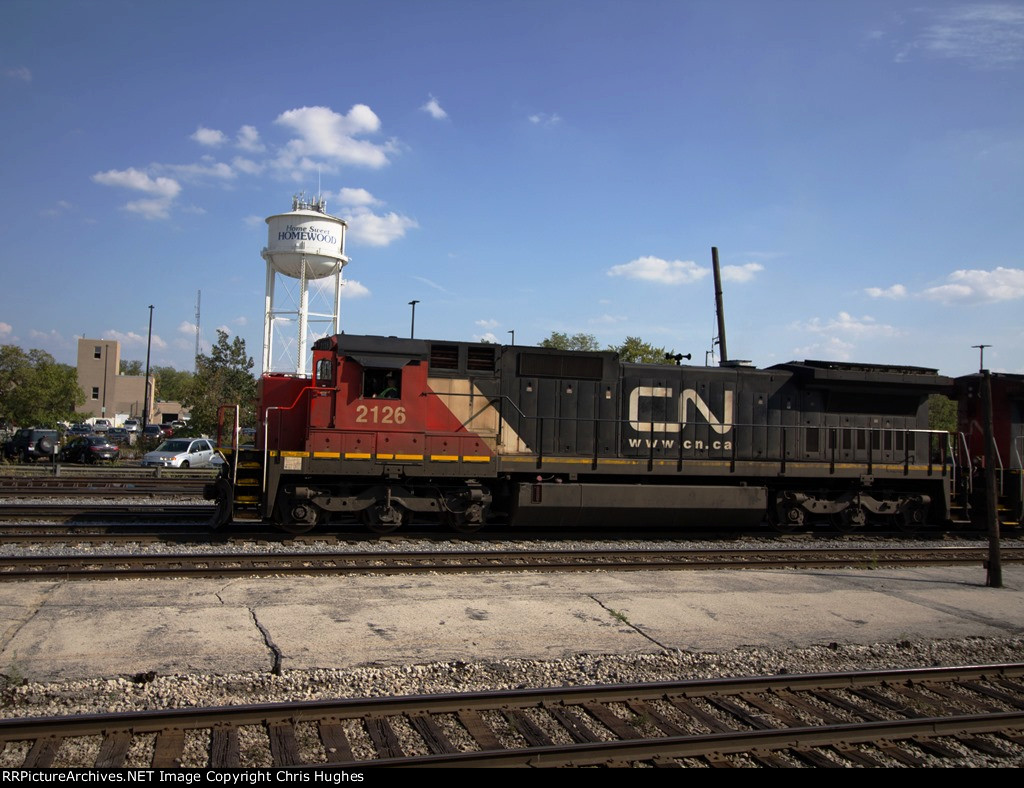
point(994, 565)
point(513, 333)
point(147, 397)
point(412, 328)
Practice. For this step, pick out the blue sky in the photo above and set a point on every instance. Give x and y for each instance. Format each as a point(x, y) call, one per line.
point(563, 165)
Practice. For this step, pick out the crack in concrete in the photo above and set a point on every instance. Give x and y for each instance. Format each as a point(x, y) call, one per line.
point(620, 617)
point(32, 615)
point(269, 642)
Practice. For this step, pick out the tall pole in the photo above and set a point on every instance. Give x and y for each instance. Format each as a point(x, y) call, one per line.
point(719, 308)
point(994, 578)
point(513, 333)
point(412, 328)
point(147, 397)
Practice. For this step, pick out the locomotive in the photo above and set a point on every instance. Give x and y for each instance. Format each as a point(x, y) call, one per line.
point(392, 431)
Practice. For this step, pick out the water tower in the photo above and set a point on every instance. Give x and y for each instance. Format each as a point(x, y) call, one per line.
point(305, 254)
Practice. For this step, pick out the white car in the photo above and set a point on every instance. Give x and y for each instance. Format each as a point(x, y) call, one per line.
point(181, 453)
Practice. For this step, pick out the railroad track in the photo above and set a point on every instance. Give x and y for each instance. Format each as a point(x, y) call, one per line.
point(232, 564)
point(965, 715)
point(68, 512)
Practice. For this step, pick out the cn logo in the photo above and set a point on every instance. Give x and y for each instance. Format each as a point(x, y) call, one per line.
point(687, 397)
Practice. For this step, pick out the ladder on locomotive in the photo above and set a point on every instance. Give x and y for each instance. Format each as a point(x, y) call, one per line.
point(244, 469)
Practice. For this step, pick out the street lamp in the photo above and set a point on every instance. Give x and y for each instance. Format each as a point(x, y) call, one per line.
point(146, 397)
point(412, 328)
point(513, 333)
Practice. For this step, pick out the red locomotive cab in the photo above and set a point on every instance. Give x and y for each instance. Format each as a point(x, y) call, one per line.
point(368, 407)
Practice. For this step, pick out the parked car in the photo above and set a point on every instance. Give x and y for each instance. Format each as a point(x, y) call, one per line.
point(80, 429)
point(133, 425)
point(29, 444)
point(153, 431)
point(181, 453)
point(90, 449)
point(102, 425)
point(119, 435)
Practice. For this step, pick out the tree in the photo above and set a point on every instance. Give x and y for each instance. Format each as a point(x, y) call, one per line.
point(172, 384)
point(942, 413)
point(634, 350)
point(132, 368)
point(35, 390)
point(222, 378)
point(560, 341)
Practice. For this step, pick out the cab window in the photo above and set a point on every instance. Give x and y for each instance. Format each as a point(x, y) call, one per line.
point(382, 383)
point(324, 373)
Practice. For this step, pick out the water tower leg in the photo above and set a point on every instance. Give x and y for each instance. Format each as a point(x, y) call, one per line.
point(268, 320)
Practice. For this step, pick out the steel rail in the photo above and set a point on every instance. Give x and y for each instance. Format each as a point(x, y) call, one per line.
point(985, 683)
point(104, 566)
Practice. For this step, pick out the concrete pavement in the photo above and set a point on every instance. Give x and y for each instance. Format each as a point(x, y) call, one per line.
point(97, 629)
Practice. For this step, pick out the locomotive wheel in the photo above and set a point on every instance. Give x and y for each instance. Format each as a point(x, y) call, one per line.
point(382, 519)
point(457, 522)
point(300, 519)
point(849, 519)
point(911, 517)
point(467, 520)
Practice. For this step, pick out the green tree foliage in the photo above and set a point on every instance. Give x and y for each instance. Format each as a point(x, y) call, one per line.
point(560, 341)
point(222, 378)
point(634, 350)
point(132, 368)
point(942, 413)
point(36, 391)
point(171, 384)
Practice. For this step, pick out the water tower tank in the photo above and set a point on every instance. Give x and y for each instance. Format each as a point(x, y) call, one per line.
point(303, 245)
point(305, 235)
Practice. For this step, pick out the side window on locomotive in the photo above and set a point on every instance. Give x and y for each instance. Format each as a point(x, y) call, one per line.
point(382, 383)
point(324, 373)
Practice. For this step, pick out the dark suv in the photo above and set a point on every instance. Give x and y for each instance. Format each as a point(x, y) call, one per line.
point(29, 444)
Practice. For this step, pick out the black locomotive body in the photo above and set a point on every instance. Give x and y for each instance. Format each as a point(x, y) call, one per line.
point(472, 433)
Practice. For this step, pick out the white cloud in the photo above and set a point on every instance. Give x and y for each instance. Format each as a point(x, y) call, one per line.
point(140, 181)
point(209, 137)
point(431, 283)
point(355, 197)
point(254, 221)
point(895, 292)
point(846, 324)
point(654, 269)
point(368, 228)
point(978, 287)
point(157, 208)
point(488, 324)
point(353, 289)
point(248, 166)
point(486, 337)
point(133, 340)
point(5, 329)
point(241, 320)
point(249, 140)
point(330, 138)
point(433, 108)
point(226, 329)
point(608, 320)
point(543, 119)
point(209, 168)
point(831, 348)
point(21, 73)
point(185, 327)
point(985, 35)
point(740, 273)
